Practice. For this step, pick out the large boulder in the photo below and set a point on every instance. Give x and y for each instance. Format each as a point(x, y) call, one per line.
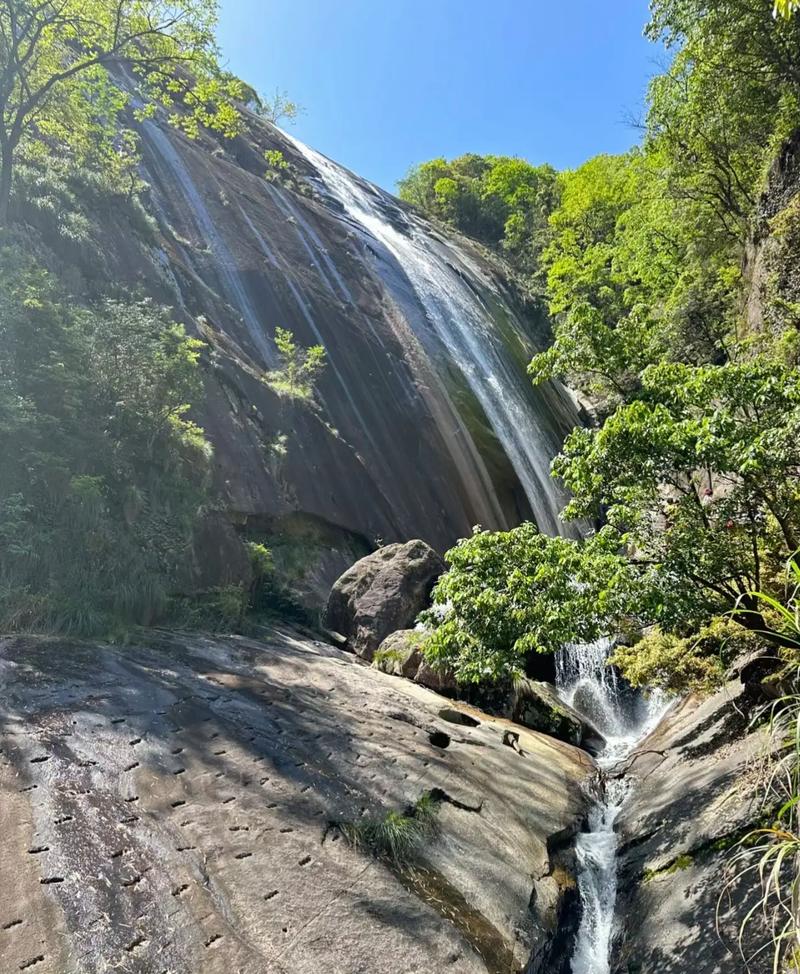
point(399, 654)
point(382, 593)
point(537, 705)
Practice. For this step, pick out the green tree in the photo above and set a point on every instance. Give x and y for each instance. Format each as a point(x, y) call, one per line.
point(699, 479)
point(501, 201)
point(510, 593)
point(62, 65)
point(277, 108)
point(631, 278)
point(300, 367)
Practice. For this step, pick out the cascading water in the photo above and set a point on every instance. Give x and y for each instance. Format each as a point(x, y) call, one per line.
point(624, 718)
point(461, 321)
point(459, 318)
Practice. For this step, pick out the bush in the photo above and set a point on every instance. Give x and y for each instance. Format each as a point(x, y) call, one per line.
point(396, 835)
point(510, 593)
point(103, 473)
point(697, 663)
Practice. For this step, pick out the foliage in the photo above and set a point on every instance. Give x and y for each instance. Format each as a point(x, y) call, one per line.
point(501, 201)
point(277, 108)
point(630, 280)
point(275, 159)
point(396, 835)
point(103, 471)
point(261, 561)
point(770, 854)
point(510, 593)
point(695, 663)
point(61, 64)
point(699, 478)
point(785, 8)
point(300, 367)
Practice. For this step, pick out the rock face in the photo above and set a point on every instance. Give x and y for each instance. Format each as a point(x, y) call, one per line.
point(531, 703)
point(174, 806)
point(424, 422)
point(695, 792)
point(382, 593)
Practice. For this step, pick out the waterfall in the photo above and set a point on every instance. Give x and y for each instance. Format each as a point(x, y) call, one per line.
point(624, 718)
point(460, 318)
point(439, 277)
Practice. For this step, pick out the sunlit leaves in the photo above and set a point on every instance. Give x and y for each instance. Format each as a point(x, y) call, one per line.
point(67, 69)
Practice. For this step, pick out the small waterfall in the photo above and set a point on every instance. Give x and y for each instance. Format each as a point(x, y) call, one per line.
point(624, 717)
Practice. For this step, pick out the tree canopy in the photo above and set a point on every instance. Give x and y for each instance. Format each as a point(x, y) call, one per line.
point(503, 202)
point(67, 67)
point(690, 471)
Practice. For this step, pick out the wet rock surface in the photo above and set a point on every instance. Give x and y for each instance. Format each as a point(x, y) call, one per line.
point(382, 593)
point(168, 806)
point(533, 704)
point(696, 790)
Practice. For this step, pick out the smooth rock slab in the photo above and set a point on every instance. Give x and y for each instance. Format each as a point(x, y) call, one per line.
point(697, 789)
point(168, 807)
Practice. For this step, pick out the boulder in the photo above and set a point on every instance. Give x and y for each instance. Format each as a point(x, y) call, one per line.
point(538, 706)
point(381, 593)
point(399, 654)
point(440, 680)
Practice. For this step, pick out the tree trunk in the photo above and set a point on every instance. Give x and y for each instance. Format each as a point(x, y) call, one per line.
point(6, 170)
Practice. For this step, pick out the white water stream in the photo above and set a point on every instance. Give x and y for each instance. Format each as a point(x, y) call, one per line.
point(624, 719)
point(462, 322)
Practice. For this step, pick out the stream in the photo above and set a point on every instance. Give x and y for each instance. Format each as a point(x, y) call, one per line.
point(624, 718)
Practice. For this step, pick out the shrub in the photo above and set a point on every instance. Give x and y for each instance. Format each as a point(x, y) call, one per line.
point(300, 367)
point(696, 663)
point(103, 472)
point(396, 835)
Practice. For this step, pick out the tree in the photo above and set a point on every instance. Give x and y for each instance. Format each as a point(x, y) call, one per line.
point(501, 201)
point(68, 66)
point(699, 479)
point(277, 108)
point(631, 277)
point(509, 593)
point(300, 367)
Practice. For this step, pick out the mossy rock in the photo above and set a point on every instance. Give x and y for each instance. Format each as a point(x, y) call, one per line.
point(399, 654)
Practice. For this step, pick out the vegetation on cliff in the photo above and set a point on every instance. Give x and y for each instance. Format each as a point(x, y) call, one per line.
point(103, 472)
point(106, 477)
point(692, 467)
point(61, 64)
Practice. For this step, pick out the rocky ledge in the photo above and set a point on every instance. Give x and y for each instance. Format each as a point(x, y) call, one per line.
point(177, 805)
point(697, 790)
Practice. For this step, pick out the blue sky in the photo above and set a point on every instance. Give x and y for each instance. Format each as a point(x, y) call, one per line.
point(388, 83)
